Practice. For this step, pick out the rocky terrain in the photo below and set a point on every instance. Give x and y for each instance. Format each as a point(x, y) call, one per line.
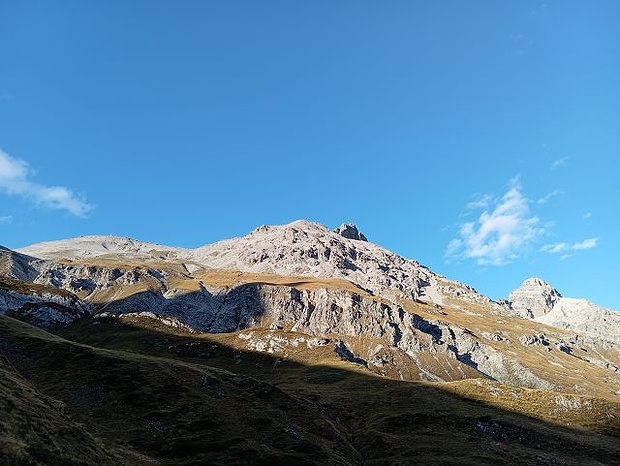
point(538, 300)
point(301, 292)
point(391, 315)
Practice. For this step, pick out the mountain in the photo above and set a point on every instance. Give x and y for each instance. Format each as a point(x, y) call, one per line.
point(390, 315)
point(300, 248)
point(298, 297)
point(541, 302)
point(304, 248)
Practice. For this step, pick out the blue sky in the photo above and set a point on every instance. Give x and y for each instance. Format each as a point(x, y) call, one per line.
point(480, 138)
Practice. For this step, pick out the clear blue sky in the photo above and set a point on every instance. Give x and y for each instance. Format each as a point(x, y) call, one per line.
point(481, 138)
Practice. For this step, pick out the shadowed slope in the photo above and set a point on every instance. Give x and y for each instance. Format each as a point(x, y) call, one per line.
point(185, 400)
point(37, 429)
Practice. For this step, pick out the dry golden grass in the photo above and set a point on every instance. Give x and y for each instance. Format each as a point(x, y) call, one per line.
point(231, 278)
point(571, 410)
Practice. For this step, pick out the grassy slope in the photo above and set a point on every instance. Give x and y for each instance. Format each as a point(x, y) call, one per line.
point(185, 400)
point(177, 412)
point(34, 427)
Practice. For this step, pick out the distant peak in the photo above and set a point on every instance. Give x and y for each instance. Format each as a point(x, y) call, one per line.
point(350, 231)
point(534, 298)
point(535, 282)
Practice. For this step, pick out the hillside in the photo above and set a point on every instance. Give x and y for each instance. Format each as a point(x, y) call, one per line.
point(294, 317)
point(147, 396)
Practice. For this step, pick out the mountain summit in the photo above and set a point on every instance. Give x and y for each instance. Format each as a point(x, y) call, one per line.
point(349, 230)
point(539, 301)
point(534, 298)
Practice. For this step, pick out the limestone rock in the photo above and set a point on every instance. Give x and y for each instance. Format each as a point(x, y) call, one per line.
point(538, 300)
point(534, 298)
point(40, 305)
point(581, 315)
point(350, 231)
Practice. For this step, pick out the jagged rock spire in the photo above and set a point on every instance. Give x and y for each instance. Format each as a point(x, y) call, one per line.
point(350, 231)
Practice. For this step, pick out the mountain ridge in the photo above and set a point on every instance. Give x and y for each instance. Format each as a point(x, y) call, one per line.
point(338, 284)
point(91, 246)
point(303, 308)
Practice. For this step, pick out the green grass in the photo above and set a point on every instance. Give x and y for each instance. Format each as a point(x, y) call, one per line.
point(176, 399)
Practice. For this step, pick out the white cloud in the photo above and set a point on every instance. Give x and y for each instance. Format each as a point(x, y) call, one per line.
point(500, 234)
point(5, 219)
point(15, 181)
point(556, 248)
point(545, 199)
point(480, 201)
point(586, 244)
point(587, 215)
point(559, 163)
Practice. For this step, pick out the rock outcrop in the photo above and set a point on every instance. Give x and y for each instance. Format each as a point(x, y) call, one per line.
point(350, 231)
point(43, 306)
point(534, 298)
point(16, 265)
point(309, 249)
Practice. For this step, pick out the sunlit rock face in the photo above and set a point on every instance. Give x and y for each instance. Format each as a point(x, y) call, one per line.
point(534, 298)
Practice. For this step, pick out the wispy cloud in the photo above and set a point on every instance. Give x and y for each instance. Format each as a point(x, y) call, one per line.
point(15, 180)
point(555, 248)
point(545, 199)
point(563, 247)
point(501, 233)
point(4, 219)
point(586, 244)
point(480, 201)
point(562, 162)
point(587, 215)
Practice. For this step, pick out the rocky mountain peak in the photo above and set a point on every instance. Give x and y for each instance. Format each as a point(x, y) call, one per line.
point(309, 249)
point(350, 231)
point(534, 298)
